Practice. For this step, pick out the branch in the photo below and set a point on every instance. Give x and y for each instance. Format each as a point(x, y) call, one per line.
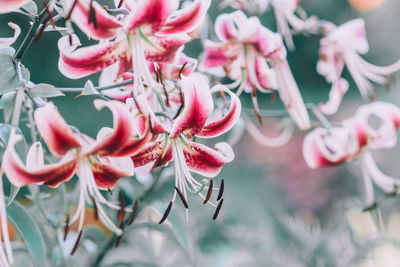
point(98, 88)
point(30, 35)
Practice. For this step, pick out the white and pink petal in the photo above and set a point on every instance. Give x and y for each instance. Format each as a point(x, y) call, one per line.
point(198, 105)
point(222, 125)
point(20, 175)
point(54, 130)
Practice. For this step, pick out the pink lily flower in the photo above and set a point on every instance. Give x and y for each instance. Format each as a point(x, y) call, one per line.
point(243, 51)
point(356, 138)
point(285, 14)
point(196, 119)
point(5, 42)
point(6, 256)
point(152, 31)
point(94, 162)
point(251, 6)
point(7, 6)
point(341, 47)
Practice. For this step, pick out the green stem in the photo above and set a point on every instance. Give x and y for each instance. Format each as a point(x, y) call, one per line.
point(111, 241)
point(267, 112)
point(30, 35)
point(98, 88)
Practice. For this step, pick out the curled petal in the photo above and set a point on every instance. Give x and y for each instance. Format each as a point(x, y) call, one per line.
point(224, 124)
point(339, 88)
point(387, 183)
point(105, 25)
point(225, 28)
point(388, 115)
point(107, 171)
point(187, 19)
point(163, 49)
point(350, 36)
point(261, 138)
point(151, 13)
point(134, 145)
point(81, 62)
point(198, 105)
point(318, 152)
point(290, 94)
point(182, 65)
point(270, 44)
point(265, 75)
point(10, 5)
point(220, 54)
point(207, 161)
point(55, 131)
point(123, 130)
point(20, 175)
point(321, 149)
point(4, 42)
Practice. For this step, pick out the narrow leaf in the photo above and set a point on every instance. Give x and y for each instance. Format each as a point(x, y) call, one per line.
point(45, 90)
point(29, 230)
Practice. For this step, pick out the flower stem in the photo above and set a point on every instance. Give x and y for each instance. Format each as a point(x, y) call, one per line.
point(30, 35)
point(98, 88)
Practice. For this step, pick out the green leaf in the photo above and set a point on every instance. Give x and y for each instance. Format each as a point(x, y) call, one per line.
point(29, 230)
point(7, 51)
point(6, 98)
point(89, 89)
point(45, 90)
point(8, 74)
point(13, 193)
point(31, 7)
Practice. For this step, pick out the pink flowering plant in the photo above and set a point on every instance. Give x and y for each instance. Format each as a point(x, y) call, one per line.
point(182, 83)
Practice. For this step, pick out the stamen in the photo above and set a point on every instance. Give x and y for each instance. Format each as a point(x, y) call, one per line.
point(66, 228)
point(182, 103)
point(255, 104)
point(70, 39)
point(181, 70)
point(182, 197)
point(166, 213)
point(78, 240)
point(70, 11)
point(136, 103)
point(122, 203)
point(218, 209)
point(92, 15)
point(370, 208)
point(120, 3)
point(96, 211)
point(221, 190)
point(119, 238)
point(134, 211)
point(209, 192)
point(151, 126)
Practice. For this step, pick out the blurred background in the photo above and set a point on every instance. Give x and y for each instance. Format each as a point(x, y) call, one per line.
point(277, 212)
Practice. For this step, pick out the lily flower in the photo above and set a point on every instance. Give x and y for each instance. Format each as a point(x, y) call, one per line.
point(196, 119)
point(244, 49)
point(285, 14)
point(251, 6)
point(341, 47)
point(5, 42)
point(11, 5)
point(93, 161)
point(152, 31)
point(356, 138)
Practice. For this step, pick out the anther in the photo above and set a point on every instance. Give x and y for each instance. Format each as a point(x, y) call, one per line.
point(166, 213)
point(209, 192)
